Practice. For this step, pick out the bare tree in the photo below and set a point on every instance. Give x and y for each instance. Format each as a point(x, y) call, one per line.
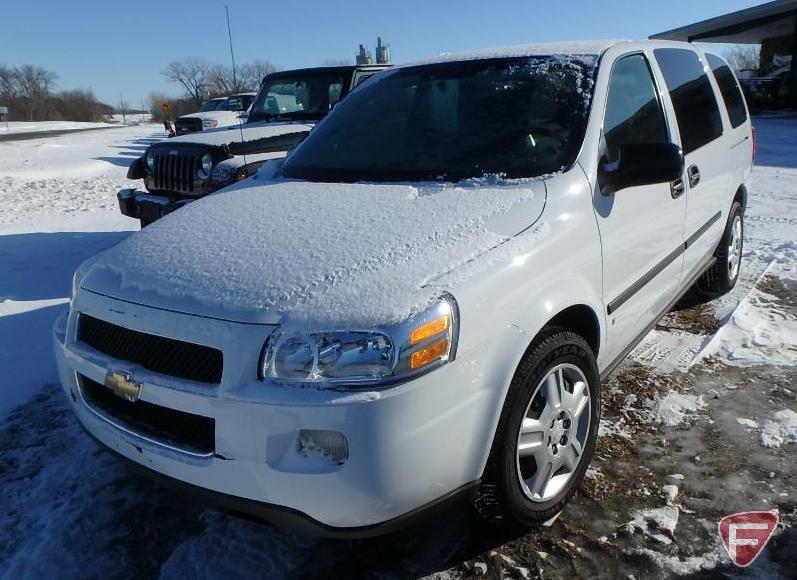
point(337, 62)
point(79, 105)
point(743, 56)
point(247, 77)
point(254, 72)
point(33, 86)
point(192, 74)
point(28, 92)
point(221, 80)
point(8, 82)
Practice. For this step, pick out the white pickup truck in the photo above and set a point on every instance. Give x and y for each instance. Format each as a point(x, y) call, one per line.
point(228, 111)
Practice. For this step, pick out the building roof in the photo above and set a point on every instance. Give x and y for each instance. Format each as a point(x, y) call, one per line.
point(748, 26)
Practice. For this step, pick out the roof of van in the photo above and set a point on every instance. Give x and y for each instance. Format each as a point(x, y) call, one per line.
point(591, 47)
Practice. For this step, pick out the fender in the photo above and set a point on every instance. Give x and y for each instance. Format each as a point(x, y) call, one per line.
point(552, 266)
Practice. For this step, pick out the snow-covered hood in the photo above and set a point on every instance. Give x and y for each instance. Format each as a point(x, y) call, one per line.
point(314, 254)
point(232, 134)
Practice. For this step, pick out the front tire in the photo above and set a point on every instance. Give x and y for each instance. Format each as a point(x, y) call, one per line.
point(722, 276)
point(546, 434)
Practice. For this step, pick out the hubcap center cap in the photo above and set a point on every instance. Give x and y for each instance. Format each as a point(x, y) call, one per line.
point(558, 434)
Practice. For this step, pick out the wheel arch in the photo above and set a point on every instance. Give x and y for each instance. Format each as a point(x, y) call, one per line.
point(580, 319)
point(741, 197)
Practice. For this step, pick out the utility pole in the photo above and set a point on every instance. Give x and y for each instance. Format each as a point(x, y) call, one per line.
point(122, 106)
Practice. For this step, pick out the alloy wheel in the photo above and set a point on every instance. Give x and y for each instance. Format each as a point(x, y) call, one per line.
point(735, 248)
point(554, 432)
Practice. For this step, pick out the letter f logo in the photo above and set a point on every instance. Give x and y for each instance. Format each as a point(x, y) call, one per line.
point(744, 535)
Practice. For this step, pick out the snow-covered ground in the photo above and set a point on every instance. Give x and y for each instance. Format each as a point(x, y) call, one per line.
point(44, 126)
point(701, 420)
point(25, 127)
point(57, 207)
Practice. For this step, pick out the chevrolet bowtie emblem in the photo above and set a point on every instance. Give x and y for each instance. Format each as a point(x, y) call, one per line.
point(122, 386)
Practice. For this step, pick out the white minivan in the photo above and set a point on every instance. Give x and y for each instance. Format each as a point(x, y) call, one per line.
point(418, 304)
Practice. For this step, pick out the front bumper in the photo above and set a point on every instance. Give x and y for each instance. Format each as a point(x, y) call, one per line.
point(146, 206)
point(413, 446)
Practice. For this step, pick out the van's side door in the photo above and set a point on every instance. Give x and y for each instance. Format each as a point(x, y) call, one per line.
point(641, 228)
point(707, 156)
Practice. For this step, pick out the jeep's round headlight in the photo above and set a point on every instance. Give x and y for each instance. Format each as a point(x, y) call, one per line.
point(151, 160)
point(373, 358)
point(205, 167)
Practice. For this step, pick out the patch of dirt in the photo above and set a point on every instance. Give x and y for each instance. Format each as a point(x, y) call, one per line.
point(785, 291)
point(699, 319)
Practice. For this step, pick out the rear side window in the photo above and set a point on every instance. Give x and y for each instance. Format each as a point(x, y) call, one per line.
point(729, 87)
point(633, 112)
point(696, 107)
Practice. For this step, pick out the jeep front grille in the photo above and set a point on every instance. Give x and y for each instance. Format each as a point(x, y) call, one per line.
point(159, 354)
point(176, 172)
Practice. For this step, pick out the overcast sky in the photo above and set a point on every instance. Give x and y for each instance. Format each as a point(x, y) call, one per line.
point(115, 48)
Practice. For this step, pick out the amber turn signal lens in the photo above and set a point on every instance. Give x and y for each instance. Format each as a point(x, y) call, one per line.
point(430, 329)
point(429, 354)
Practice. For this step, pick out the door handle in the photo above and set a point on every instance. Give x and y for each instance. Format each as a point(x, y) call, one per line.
point(694, 176)
point(677, 188)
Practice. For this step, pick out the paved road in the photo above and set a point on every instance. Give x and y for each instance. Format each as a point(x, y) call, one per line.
point(54, 133)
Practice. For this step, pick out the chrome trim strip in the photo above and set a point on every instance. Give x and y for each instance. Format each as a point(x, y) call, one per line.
point(703, 229)
point(658, 268)
point(132, 433)
point(703, 266)
point(652, 273)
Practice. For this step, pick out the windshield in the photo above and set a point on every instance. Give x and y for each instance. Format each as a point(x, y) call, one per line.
point(210, 105)
point(515, 117)
point(236, 103)
point(302, 97)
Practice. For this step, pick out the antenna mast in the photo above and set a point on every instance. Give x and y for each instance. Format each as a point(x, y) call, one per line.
point(234, 77)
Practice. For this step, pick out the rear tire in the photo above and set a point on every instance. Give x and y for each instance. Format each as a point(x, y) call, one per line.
point(720, 278)
point(542, 447)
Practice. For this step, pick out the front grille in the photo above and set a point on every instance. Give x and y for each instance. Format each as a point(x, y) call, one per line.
point(176, 172)
point(167, 356)
point(179, 429)
point(190, 125)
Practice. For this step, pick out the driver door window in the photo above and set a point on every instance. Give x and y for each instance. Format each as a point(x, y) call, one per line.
point(633, 110)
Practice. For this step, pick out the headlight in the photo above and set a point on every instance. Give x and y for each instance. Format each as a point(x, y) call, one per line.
point(206, 167)
point(151, 161)
point(369, 358)
point(210, 123)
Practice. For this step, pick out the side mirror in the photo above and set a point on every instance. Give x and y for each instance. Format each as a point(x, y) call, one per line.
point(641, 164)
